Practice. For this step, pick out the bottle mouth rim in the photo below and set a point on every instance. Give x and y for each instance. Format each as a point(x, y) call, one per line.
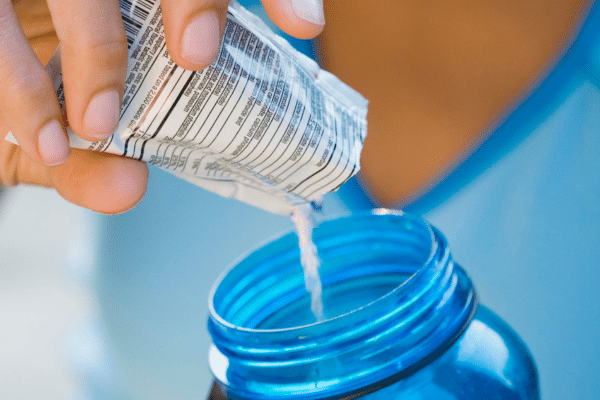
point(224, 323)
point(427, 303)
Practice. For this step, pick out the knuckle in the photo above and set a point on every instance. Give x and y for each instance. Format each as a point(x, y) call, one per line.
point(25, 88)
point(107, 54)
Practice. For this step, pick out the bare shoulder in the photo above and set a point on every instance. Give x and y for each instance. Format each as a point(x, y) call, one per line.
point(438, 74)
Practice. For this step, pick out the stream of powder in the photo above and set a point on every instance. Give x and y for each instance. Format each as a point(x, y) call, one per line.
point(309, 258)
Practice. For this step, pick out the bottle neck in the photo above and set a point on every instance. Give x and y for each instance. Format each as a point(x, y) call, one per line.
point(393, 297)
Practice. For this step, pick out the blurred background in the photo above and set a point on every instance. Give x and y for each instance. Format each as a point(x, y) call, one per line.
point(38, 302)
point(98, 307)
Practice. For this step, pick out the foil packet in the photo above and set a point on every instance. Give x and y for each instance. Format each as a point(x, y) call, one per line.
point(263, 124)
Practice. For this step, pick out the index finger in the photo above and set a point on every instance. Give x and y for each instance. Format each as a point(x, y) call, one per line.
point(94, 63)
point(28, 102)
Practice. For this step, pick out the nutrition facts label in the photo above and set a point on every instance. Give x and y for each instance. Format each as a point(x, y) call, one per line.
point(263, 124)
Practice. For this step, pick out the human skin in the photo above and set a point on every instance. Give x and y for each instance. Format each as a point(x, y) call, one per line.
point(439, 76)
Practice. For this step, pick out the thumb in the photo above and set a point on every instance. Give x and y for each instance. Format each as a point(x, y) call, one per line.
point(100, 182)
point(303, 19)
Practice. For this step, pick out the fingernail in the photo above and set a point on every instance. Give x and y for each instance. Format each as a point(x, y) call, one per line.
point(53, 144)
point(200, 43)
point(102, 115)
point(309, 10)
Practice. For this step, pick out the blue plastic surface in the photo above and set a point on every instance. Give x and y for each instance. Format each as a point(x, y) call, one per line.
point(399, 321)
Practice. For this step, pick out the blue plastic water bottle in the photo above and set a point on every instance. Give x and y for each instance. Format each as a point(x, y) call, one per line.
point(402, 321)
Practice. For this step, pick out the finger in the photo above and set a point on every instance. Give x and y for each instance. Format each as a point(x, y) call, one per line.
point(303, 19)
point(101, 182)
point(28, 102)
point(193, 30)
point(94, 63)
point(17, 167)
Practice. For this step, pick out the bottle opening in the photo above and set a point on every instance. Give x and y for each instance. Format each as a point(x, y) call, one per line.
point(391, 295)
point(361, 262)
point(339, 298)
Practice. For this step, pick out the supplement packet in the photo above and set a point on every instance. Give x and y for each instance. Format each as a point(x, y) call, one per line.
point(263, 124)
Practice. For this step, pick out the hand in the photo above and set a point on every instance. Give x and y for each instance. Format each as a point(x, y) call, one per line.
point(94, 63)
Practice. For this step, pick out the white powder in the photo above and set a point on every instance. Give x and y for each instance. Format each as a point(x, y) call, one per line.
point(303, 219)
